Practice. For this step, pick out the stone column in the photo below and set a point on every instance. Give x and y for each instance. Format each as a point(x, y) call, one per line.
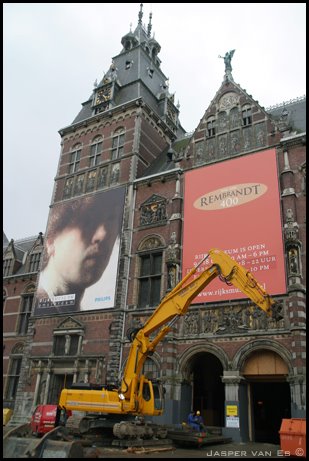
point(49, 371)
point(298, 396)
point(232, 380)
point(37, 384)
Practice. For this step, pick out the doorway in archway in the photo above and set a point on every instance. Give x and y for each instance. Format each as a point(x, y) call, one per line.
point(271, 402)
point(59, 382)
point(268, 394)
point(208, 390)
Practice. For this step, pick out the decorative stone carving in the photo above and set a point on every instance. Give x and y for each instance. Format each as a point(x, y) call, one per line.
point(102, 180)
point(191, 324)
point(260, 135)
point(200, 152)
point(235, 142)
point(291, 227)
point(153, 211)
point(150, 244)
point(228, 101)
point(171, 276)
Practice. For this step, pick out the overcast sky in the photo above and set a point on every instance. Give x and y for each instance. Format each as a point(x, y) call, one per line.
point(54, 52)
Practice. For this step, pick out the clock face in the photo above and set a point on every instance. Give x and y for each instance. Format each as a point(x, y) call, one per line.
point(103, 95)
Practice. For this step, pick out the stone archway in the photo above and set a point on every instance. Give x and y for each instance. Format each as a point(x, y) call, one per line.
point(265, 367)
point(202, 388)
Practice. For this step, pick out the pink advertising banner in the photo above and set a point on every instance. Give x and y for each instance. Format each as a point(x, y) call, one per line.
point(235, 206)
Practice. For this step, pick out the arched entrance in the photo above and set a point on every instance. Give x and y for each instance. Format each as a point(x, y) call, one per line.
point(208, 396)
point(268, 395)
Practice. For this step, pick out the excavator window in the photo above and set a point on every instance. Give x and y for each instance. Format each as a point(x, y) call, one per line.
point(146, 392)
point(158, 390)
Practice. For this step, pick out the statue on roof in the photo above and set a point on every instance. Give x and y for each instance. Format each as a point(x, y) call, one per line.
point(227, 60)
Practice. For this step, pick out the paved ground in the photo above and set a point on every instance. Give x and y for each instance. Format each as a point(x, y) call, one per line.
point(227, 450)
point(230, 450)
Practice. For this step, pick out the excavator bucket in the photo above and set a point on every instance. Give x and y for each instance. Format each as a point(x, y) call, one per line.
point(19, 443)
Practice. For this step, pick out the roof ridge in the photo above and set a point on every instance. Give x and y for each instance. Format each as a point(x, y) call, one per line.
point(284, 103)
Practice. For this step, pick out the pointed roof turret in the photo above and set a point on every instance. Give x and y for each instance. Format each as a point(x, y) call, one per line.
point(140, 14)
point(149, 26)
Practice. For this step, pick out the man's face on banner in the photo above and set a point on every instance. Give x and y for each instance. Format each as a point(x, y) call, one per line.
point(79, 258)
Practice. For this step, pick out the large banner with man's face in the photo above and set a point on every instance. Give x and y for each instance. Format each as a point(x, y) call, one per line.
point(81, 252)
point(235, 206)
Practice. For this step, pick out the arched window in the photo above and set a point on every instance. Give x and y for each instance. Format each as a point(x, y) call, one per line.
point(75, 158)
point(25, 310)
point(246, 115)
point(34, 262)
point(7, 267)
point(14, 371)
point(150, 273)
point(95, 151)
point(118, 143)
point(211, 129)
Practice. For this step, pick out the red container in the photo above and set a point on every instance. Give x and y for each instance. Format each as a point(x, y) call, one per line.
point(293, 437)
point(43, 419)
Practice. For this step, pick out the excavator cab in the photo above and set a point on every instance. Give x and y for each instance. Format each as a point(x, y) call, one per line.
point(150, 397)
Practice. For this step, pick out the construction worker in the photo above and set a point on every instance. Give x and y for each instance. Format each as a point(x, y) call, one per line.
point(195, 420)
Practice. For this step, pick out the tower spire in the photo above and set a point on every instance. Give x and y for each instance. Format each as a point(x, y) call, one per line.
point(149, 26)
point(140, 14)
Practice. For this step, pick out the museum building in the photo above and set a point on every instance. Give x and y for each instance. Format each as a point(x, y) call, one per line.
point(238, 183)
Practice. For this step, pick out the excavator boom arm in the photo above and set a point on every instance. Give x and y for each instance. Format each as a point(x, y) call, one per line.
point(177, 302)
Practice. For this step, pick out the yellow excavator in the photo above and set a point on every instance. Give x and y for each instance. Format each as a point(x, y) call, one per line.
point(137, 395)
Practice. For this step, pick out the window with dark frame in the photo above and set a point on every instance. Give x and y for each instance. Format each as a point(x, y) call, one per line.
point(13, 377)
point(211, 129)
point(25, 313)
point(34, 262)
point(118, 144)
point(66, 344)
point(246, 116)
point(150, 279)
point(7, 267)
point(95, 152)
point(74, 160)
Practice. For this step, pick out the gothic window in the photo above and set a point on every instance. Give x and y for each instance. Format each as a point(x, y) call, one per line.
point(118, 143)
point(95, 151)
point(150, 279)
point(7, 267)
point(68, 188)
point(91, 178)
point(75, 159)
point(211, 129)
point(34, 262)
point(246, 115)
point(25, 311)
point(14, 372)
